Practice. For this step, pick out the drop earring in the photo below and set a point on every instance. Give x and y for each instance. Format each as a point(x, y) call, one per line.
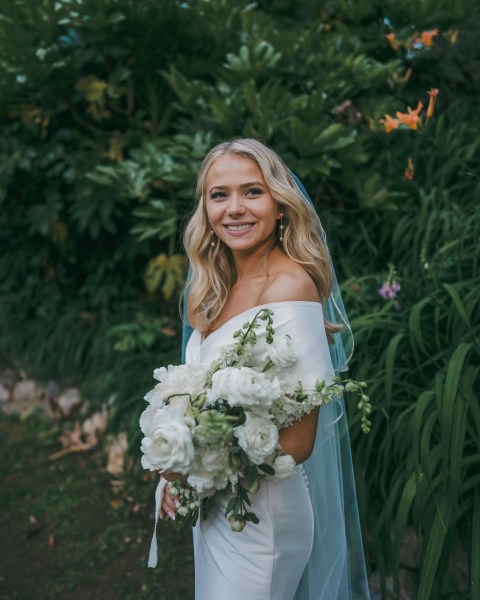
point(212, 243)
point(282, 227)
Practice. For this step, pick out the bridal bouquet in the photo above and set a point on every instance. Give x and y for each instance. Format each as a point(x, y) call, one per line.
point(218, 424)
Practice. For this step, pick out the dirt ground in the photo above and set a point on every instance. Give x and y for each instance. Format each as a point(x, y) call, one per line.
point(68, 531)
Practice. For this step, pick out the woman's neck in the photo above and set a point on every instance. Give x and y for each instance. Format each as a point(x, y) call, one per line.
point(254, 265)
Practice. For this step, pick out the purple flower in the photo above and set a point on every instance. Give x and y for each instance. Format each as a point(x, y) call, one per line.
point(388, 291)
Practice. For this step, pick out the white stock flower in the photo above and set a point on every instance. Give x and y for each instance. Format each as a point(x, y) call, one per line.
point(178, 381)
point(167, 445)
point(244, 387)
point(281, 352)
point(258, 438)
point(289, 410)
point(284, 466)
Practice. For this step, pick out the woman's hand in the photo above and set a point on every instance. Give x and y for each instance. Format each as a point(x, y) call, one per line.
point(168, 505)
point(170, 502)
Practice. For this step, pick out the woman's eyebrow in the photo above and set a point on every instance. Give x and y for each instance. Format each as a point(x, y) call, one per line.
point(245, 185)
point(242, 185)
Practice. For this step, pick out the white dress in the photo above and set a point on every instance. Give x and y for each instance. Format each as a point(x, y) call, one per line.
point(265, 561)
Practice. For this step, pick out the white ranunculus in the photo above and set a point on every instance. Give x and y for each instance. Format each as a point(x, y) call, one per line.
point(284, 466)
point(146, 418)
point(181, 381)
point(211, 469)
point(258, 438)
point(167, 445)
point(214, 459)
point(281, 352)
point(244, 387)
point(180, 404)
point(146, 464)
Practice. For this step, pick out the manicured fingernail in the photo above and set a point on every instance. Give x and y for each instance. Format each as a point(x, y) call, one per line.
point(171, 514)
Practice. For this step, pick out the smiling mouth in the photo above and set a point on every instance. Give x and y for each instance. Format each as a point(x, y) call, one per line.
point(242, 227)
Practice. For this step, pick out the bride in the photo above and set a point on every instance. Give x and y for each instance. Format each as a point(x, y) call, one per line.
point(254, 240)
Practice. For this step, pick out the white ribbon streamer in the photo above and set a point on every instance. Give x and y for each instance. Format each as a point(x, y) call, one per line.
point(153, 556)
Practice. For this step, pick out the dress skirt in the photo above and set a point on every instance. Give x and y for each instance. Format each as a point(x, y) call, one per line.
point(265, 561)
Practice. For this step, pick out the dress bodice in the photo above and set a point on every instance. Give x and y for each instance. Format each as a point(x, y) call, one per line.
point(301, 320)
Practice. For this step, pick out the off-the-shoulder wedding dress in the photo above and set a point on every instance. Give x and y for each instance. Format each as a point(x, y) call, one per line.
point(267, 561)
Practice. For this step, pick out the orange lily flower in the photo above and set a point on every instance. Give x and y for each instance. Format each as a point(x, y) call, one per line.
point(426, 37)
point(410, 170)
point(412, 118)
point(433, 93)
point(390, 123)
point(393, 42)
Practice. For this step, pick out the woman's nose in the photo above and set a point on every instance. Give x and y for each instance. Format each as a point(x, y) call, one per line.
point(235, 206)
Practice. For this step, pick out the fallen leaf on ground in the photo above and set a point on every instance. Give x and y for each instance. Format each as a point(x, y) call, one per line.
point(116, 454)
point(82, 437)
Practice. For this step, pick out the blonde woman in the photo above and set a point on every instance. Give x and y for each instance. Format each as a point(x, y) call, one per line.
point(255, 240)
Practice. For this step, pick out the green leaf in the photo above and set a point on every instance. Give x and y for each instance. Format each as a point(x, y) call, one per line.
point(475, 548)
point(435, 542)
point(389, 365)
point(232, 506)
point(448, 402)
point(266, 469)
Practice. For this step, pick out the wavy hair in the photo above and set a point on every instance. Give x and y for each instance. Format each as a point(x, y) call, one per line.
point(213, 268)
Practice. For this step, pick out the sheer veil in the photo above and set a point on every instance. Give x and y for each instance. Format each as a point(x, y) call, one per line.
point(336, 568)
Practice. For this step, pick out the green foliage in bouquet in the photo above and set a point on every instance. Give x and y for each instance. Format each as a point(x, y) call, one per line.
point(107, 109)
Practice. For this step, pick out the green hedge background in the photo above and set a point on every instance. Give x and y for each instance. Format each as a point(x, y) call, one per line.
point(106, 110)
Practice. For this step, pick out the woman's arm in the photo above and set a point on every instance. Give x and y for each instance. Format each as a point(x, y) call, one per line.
point(299, 438)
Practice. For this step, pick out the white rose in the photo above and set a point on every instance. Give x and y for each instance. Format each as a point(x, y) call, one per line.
point(167, 445)
point(244, 387)
point(281, 352)
point(181, 381)
point(258, 438)
point(284, 466)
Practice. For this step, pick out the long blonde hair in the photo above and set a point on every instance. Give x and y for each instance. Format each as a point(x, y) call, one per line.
point(213, 268)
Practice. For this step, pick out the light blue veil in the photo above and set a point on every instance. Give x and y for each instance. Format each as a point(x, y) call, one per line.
point(336, 568)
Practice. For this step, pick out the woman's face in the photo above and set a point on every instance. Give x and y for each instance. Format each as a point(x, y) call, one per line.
point(240, 208)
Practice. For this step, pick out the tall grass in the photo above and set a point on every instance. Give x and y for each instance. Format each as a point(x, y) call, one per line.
point(421, 462)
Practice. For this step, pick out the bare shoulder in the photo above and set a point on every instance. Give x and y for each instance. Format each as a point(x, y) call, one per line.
point(290, 283)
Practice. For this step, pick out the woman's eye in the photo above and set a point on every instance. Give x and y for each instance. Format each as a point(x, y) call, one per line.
point(218, 195)
point(254, 191)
